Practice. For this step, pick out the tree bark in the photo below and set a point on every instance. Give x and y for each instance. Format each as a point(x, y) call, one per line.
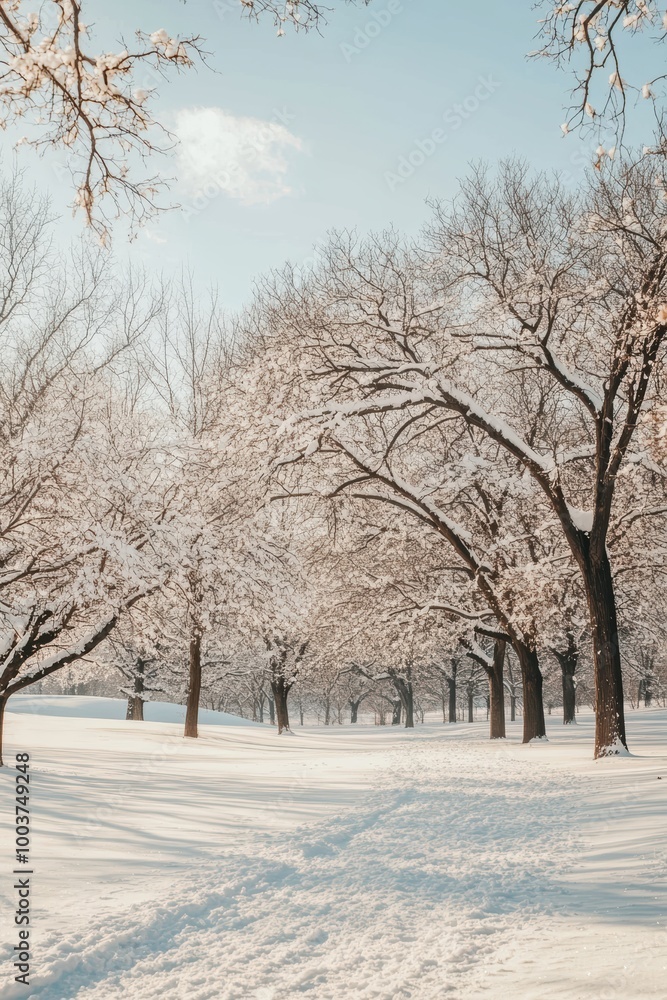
point(609, 710)
point(451, 683)
point(396, 712)
point(3, 705)
point(648, 692)
point(471, 706)
point(409, 706)
point(272, 711)
point(280, 689)
point(569, 697)
point(135, 703)
point(568, 660)
point(354, 711)
point(534, 726)
point(194, 688)
point(135, 709)
point(497, 693)
point(512, 708)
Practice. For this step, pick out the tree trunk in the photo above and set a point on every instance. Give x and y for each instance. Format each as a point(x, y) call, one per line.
point(568, 660)
point(471, 706)
point(396, 712)
point(354, 711)
point(648, 691)
point(451, 683)
point(609, 712)
point(194, 688)
point(280, 690)
point(534, 726)
point(409, 706)
point(512, 708)
point(272, 711)
point(135, 709)
point(569, 698)
point(327, 712)
point(135, 703)
point(3, 705)
point(497, 693)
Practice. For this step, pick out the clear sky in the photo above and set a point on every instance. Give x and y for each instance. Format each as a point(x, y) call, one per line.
point(286, 137)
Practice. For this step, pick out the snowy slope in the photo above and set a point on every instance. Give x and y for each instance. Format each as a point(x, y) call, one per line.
point(83, 707)
point(344, 864)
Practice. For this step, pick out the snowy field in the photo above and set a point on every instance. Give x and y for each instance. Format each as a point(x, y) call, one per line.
point(336, 864)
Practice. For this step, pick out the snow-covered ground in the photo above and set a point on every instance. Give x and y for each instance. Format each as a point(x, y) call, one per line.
point(337, 864)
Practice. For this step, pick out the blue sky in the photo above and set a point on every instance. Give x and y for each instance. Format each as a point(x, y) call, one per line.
point(339, 117)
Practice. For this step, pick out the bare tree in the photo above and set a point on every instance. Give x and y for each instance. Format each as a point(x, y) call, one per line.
point(95, 105)
point(522, 235)
point(599, 38)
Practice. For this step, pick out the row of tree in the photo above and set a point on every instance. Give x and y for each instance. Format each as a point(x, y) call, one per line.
point(409, 454)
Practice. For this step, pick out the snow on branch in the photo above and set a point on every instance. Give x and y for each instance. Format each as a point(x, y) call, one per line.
point(94, 105)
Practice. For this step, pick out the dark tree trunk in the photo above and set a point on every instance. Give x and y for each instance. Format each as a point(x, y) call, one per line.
point(568, 660)
point(497, 692)
point(396, 712)
point(451, 684)
point(409, 706)
point(272, 711)
point(135, 703)
point(406, 701)
point(300, 715)
point(194, 688)
point(135, 709)
point(569, 698)
point(512, 708)
point(609, 710)
point(3, 705)
point(280, 689)
point(327, 712)
point(354, 710)
point(534, 726)
point(471, 706)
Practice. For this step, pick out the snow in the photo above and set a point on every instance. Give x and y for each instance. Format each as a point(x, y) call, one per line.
point(83, 707)
point(343, 863)
point(581, 519)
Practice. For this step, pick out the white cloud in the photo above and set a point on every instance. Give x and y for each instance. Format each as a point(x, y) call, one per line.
point(244, 157)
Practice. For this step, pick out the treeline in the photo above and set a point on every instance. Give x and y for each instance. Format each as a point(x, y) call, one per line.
point(414, 473)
